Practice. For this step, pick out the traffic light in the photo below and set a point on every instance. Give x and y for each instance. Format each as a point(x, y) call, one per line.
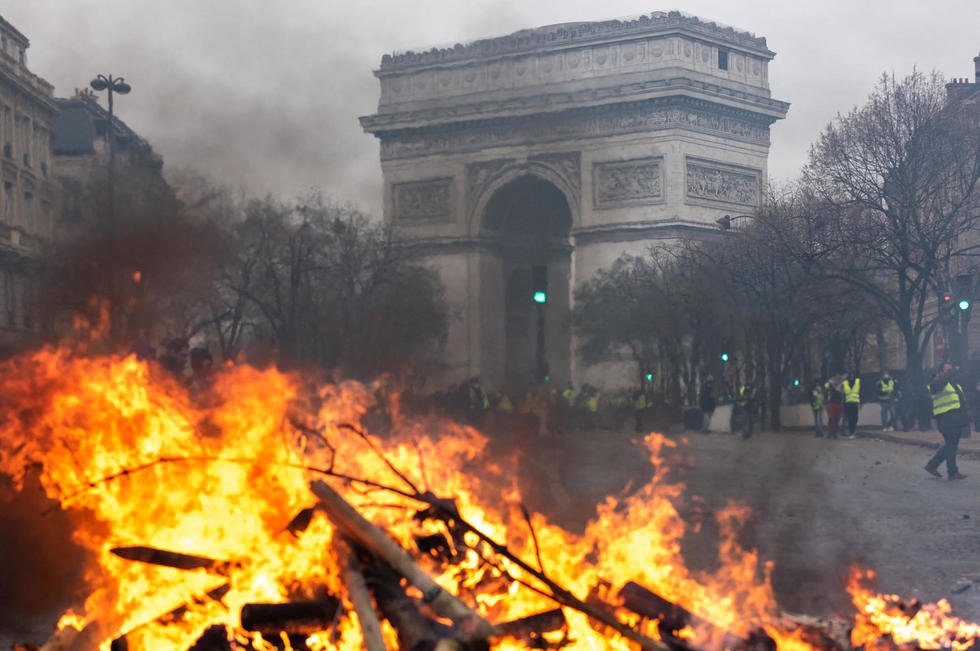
point(796, 382)
point(649, 377)
point(947, 305)
point(724, 357)
point(539, 283)
point(964, 291)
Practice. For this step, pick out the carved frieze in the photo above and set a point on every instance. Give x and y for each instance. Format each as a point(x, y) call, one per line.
point(565, 166)
point(624, 118)
point(708, 181)
point(627, 182)
point(478, 175)
point(417, 201)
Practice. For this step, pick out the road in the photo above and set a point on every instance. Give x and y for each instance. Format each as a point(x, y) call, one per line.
point(819, 506)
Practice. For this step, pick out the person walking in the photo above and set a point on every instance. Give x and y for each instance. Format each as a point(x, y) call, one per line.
point(886, 398)
point(743, 411)
point(817, 405)
point(706, 401)
point(950, 411)
point(835, 404)
point(852, 403)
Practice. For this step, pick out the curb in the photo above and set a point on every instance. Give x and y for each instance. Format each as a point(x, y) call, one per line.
point(891, 438)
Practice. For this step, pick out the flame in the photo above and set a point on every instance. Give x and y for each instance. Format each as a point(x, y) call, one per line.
point(928, 626)
point(136, 460)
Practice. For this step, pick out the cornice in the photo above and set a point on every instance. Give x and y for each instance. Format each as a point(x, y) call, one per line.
point(555, 36)
point(609, 233)
point(553, 102)
point(602, 121)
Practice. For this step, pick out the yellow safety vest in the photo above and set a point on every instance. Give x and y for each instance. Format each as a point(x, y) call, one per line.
point(886, 388)
point(946, 400)
point(852, 392)
point(592, 404)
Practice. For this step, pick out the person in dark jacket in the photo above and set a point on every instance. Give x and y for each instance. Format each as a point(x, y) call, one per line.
point(950, 411)
point(706, 401)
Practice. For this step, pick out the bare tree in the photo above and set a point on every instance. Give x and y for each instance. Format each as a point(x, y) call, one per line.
point(898, 182)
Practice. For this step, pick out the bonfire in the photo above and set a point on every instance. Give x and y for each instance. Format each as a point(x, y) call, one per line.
point(267, 514)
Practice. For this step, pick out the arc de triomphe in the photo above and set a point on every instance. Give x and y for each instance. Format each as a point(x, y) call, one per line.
point(540, 157)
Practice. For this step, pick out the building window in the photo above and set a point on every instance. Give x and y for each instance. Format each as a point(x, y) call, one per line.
point(29, 212)
point(9, 299)
point(8, 132)
point(722, 59)
point(8, 203)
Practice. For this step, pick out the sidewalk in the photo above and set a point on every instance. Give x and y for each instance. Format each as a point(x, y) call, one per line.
point(928, 439)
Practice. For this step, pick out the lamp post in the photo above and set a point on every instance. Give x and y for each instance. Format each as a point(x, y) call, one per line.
point(113, 85)
point(725, 223)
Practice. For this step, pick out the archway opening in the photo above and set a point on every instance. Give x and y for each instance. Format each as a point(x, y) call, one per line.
point(529, 221)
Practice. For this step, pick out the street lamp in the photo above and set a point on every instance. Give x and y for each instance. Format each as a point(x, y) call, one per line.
point(725, 223)
point(113, 85)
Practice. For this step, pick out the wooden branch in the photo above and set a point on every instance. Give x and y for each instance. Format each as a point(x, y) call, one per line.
point(177, 560)
point(446, 604)
point(360, 598)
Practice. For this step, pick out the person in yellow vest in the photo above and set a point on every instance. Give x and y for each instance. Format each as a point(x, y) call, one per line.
point(886, 398)
point(639, 403)
point(817, 405)
point(852, 404)
point(952, 417)
point(743, 410)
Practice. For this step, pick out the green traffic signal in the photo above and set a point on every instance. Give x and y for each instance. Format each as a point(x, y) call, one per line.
point(649, 377)
point(796, 383)
point(724, 357)
point(964, 304)
point(540, 297)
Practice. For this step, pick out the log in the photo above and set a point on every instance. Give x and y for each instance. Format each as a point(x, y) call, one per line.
point(346, 517)
point(415, 631)
point(177, 560)
point(291, 618)
point(360, 598)
point(533, 627)
point(673, 618)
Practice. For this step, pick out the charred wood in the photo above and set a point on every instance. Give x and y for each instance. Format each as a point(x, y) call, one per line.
point(375, 540)
point(531, 629)
point(358, 595)
point(292, 618)
point(176, 560)
point(672, 618)
point(214, 638)
point(415, 631)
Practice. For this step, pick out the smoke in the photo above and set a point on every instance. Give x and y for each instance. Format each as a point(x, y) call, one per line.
point(41, 565)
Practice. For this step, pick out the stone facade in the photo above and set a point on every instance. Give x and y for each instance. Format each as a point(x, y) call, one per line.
point(624, 132)
point(27, 116)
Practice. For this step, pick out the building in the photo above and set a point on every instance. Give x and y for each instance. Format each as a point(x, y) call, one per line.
point(29, 191)
point(520, 165)
point(81, 151)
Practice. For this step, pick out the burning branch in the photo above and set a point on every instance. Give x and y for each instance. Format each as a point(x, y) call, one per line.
point(353, 523)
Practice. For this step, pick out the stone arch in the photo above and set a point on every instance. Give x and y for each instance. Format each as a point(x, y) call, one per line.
point(561, 171)
point(525, 221)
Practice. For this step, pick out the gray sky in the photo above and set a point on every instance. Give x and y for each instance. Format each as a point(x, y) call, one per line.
point(265, 96)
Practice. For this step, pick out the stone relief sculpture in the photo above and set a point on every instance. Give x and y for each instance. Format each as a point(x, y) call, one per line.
point(714, 183)
point(423, 200)
point(582, 123)
point(627, 182)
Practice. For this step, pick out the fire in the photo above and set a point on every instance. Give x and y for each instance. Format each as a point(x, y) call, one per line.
point(929, 626)
point(140, 463)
